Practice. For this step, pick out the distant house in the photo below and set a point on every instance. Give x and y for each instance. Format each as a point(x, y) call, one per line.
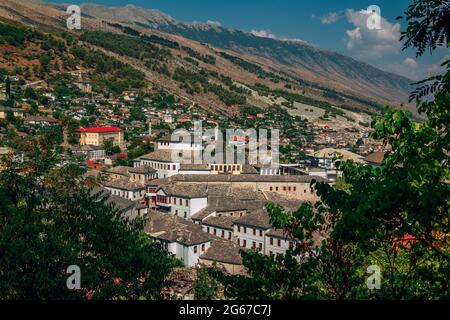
point(40, 121)
point(375, 158)
point(14, 111)
point(184, 239)
point(90, 152)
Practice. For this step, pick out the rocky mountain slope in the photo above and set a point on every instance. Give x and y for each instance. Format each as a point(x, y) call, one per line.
point(217, 68)
point(326, 66)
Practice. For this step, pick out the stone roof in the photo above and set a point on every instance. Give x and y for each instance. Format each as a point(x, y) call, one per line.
point(185, 191)
point(194, 167)
point(225, 222)
point(40, 119)
point(124, 184)
point(223, 251)
point(120, 170)
point(244, 178)
point(158, 155)
point(249, 169)
point(332, 153)
point(121, 204)
point(172, 228)
point(258, 218)
point(142, 170)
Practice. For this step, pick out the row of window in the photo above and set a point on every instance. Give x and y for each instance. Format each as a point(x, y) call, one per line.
point(169, 200)
point(222, 234)
point(161, 166)
point(289, 189)
point(254, 246)
point(196, 248)
point(225, 168)
point(255, 231)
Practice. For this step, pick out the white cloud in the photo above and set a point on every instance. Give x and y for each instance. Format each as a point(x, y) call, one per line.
point(414, 70)
point(332, 17)
point(263, 34)
point(268, 34)
point(371, 43)
point(214, 23)
point(410, 62)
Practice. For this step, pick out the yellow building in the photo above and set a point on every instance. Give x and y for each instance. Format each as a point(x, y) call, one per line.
point(16, 112)
point(96, 136)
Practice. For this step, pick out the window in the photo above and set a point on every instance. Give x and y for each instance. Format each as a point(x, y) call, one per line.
point(271, 188)
point(271, 241)
point(270, 253)
point(244, 243)
point(239, 242)
point(173, 167)
point(215, 231)
point(239, 228)
point(185, 214)
point(254, 231)
point(260, 233)
point(223, 234)
point(229, 235)
point(245, 229)
point(254, 245)
point(203, 247)
point(260, 247)
point(187, 203)
point(295, 188)
point(207, 228)
point(284, 188)
point(276, 188)
point(195, 249)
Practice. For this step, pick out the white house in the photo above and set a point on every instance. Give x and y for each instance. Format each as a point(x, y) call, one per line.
point(126, 189)
point(182, 238)
point(182, 201)
point(160, 160)
point(250, 230)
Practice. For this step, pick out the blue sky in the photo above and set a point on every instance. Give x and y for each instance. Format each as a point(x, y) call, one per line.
point(328, 24)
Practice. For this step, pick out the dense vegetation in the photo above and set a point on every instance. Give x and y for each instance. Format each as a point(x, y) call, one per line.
point(394, 218)
point(50, 220)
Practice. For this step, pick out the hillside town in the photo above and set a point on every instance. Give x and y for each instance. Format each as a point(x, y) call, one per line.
point(204, 213)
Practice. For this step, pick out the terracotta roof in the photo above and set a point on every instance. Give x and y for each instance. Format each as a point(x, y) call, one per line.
point(100, 129)
point(375, 158)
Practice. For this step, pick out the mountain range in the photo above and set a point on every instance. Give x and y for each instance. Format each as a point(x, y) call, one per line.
point(292, 66)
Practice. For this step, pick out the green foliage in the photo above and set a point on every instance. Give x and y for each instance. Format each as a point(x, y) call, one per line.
point(395, 216)
point(205, 286)
point(49, 221)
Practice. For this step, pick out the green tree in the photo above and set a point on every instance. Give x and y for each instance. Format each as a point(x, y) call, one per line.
point(395, 216)
point(50, 220)
point(205, 286)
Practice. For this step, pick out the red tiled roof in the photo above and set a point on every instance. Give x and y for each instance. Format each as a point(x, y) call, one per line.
point(100, 129)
